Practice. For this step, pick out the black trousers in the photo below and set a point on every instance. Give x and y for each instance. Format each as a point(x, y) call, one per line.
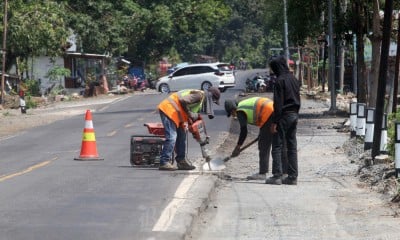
point(287, 128)
point(264, 147)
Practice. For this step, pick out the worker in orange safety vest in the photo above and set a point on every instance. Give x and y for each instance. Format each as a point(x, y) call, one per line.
point(254, 111)
point(175, 112)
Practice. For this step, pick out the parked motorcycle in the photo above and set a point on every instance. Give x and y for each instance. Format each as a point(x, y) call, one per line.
point(137, 83)
point(141, 85)
point(257, 84)
point(270, 81)
point(151, 81)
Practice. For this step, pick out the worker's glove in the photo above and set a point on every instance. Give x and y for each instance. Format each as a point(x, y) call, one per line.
point(185, 126)
point(236, 151)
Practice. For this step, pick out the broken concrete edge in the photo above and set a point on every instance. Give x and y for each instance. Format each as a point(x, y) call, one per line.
point(197, 201)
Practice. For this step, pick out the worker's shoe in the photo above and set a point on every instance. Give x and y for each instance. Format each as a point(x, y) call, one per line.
point(257, 176)
point(274, 180)
point(167, 167)
point(184, 165)
point(289, 181)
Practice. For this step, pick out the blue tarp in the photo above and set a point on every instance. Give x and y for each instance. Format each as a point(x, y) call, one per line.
point(138, 72)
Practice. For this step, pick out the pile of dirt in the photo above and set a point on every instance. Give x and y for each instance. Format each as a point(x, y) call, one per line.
point(10, 102)
point(378, 174)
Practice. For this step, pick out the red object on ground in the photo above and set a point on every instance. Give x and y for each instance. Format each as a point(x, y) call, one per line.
point(155, 128)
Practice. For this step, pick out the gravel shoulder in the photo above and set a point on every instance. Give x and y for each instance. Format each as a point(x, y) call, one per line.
point(329, 202)
point(13, 121)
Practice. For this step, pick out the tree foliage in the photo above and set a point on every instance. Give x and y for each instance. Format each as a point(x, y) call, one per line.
point(35, 28)
point(149, 30)
point(305, 18)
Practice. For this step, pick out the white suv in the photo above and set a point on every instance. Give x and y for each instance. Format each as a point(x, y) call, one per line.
point(198, 76)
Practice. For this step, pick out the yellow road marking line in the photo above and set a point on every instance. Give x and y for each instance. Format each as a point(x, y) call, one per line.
point(29, 169)
point(112, 133)
point(129, 125)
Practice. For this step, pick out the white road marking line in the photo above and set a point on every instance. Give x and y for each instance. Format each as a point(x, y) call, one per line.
point(168, 214)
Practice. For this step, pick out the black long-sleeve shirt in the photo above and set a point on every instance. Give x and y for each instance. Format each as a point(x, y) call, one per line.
point(242, 118)
point(286, 89)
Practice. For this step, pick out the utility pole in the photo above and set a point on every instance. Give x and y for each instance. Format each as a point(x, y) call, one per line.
point(355, 80)
point(331, 59)
point(3, 71)
point(286, 42)
point(396, 68)
point(383, 67)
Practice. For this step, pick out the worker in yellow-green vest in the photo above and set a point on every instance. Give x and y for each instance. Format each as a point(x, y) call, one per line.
point(255, 111)
point(175, 112)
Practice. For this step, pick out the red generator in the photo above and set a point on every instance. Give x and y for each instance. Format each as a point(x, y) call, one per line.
point(146, 149)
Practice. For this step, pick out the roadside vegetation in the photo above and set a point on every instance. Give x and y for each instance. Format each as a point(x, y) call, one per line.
point(150, 31)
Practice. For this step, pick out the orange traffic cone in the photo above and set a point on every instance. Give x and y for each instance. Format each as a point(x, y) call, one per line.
point(88, 149)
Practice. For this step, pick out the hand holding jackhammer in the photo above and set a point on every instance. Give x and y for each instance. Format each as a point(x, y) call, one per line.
point(199, 133)
point(195, 133)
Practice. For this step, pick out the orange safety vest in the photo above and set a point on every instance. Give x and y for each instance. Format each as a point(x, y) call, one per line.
point(257, 110)
point(172, 107)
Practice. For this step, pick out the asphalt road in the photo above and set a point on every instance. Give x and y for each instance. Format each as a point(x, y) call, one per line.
point(46, 194)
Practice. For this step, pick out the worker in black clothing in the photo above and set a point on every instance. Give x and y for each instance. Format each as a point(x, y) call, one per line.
point(284, 121)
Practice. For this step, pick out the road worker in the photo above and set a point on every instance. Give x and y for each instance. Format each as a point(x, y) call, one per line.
point(254, 111)
point(175, 112)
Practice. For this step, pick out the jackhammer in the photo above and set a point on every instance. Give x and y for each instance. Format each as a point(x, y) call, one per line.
point(199, 133)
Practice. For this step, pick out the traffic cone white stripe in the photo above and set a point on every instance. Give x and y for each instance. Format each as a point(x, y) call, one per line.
point(88, 124)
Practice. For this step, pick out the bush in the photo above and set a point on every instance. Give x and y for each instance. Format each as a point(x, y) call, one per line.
point(392, 119)
point(30, 103)
point(32, 87)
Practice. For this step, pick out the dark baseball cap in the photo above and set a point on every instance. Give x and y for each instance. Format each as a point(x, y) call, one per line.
point(230, 105)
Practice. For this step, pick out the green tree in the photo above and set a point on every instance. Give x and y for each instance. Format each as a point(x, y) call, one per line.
point(187, 26)
point(35, 28)
point(104, 26)
point(304, 18)
point(157, 25)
